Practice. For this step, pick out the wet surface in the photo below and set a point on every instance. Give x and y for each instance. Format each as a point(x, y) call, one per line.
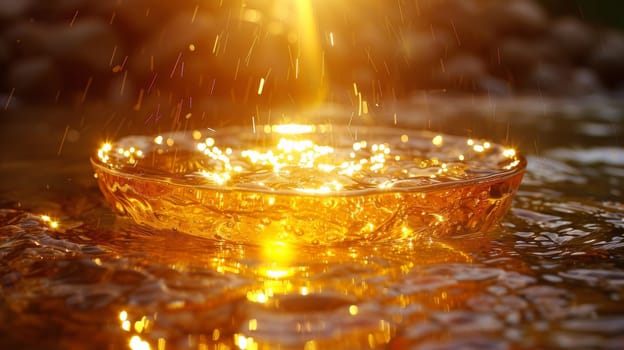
point(551, 276)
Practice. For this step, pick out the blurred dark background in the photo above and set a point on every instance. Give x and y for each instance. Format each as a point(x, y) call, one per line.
point(131, 51)
point(115, 67)
point(602, 12)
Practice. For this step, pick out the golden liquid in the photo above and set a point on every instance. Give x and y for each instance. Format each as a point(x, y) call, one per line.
point(310, 188)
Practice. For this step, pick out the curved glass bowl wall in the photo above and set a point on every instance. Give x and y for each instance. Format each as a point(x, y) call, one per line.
point(310, 184)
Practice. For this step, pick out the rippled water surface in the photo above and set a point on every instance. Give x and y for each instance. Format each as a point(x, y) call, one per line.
point(551, 276)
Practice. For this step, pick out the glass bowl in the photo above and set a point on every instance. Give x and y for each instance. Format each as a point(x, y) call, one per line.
point(310, 184)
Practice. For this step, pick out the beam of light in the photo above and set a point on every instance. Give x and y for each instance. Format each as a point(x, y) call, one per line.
point(310, 54)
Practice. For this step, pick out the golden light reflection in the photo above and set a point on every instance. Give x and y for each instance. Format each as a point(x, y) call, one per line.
point(139, 326)
point(335, 312)
point(279, 253)
point(278, 265)
point(509, 153)
point(291, 151)
point(245, 343)
point(259, 296)
point(290, 129)
point(136, 343)
point(353, 310)
point(437, 140)
point(253, 324)
point(52, 223)
point(162, 344)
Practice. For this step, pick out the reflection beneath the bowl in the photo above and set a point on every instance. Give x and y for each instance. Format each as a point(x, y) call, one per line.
point(277, 294)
